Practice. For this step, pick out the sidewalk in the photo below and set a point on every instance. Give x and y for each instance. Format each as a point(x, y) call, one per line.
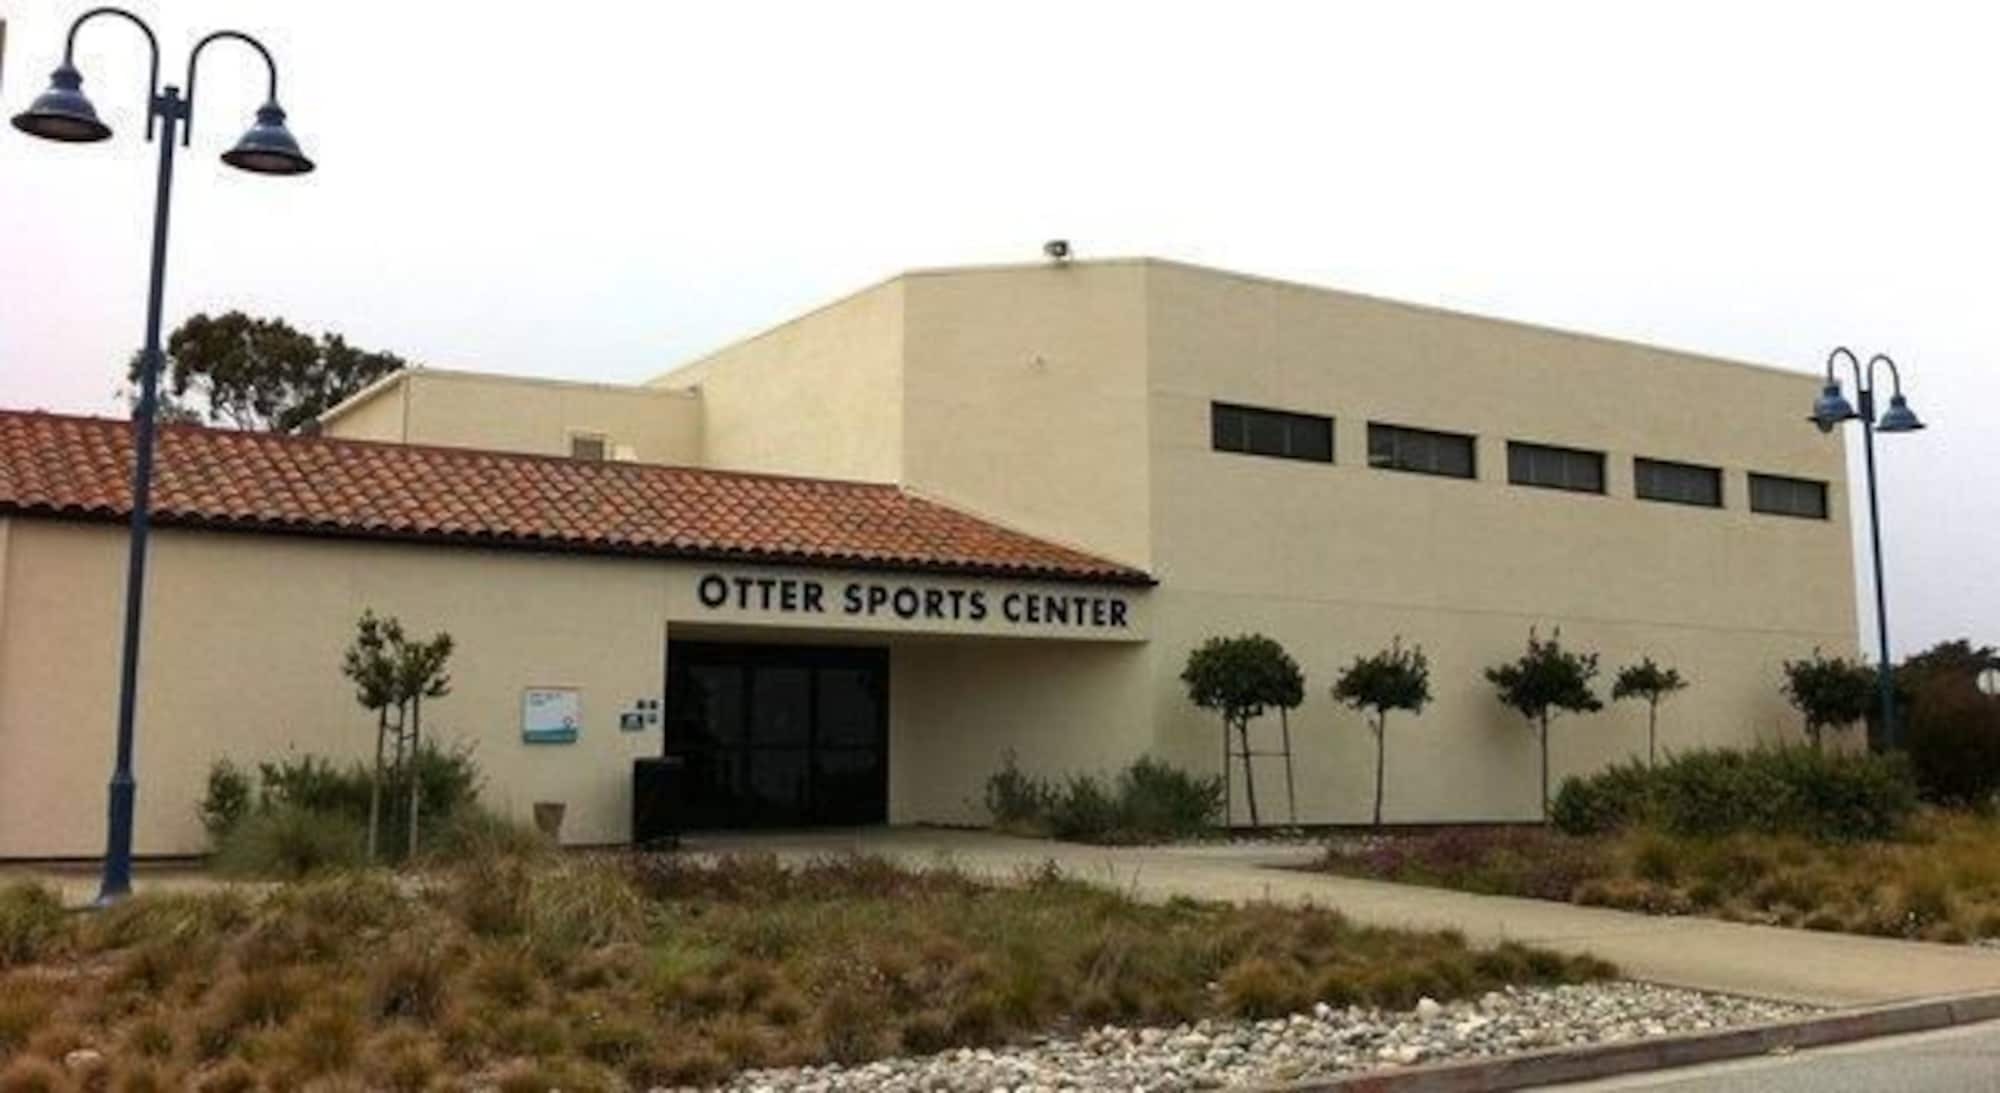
point(1765, 961)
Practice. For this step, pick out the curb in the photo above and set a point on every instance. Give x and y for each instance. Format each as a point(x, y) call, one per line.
point(1660, 1053)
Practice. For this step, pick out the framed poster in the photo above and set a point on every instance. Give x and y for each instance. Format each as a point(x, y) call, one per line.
point(551, 715)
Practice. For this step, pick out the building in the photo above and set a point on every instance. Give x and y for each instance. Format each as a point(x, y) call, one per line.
point(848, 565)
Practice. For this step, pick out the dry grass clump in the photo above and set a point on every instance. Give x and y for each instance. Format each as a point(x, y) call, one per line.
point(31, 921)
point(1939, 882)
point(536, 970)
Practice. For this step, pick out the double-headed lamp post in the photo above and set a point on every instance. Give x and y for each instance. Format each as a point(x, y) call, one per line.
point(62, 113)
point(1829, 410)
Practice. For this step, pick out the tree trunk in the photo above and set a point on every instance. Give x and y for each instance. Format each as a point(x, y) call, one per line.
point(1381, 745)
point(1652, 733)
point(416, 783)
point(1249, 779)
point(1291, 791)
point(1545, 768)
point(1228, 782)
point(398, 761)
point(375, 785)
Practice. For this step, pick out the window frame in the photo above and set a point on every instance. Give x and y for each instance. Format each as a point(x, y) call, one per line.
point(1603, 468)
point(1285, 419)
point(1471, 450)
point(1824, 489)
point(1714, 473)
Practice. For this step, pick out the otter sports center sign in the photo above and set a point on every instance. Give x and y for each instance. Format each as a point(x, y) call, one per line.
point(897, 602)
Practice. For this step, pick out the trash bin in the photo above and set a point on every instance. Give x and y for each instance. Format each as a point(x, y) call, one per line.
point(656, 792)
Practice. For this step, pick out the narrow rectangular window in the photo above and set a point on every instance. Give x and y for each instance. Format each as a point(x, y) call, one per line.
point(587, 446)
point(1555, 468)
point(1782, 496)
point(1424, 451)
point(1681, 483)
point(1279, 433)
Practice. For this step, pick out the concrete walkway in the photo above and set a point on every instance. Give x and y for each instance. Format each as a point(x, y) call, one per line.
point(1763, 961)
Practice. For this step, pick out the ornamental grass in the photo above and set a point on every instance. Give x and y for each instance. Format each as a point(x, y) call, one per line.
point(519, 969)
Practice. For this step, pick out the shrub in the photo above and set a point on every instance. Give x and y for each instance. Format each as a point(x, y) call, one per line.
point(227, 800)
point(1156, 799)
point(1710, 793)
point(1084, 810)
point(1953, 737)
point(1616, 797)
point(291, 842)
point(31, 919)
point(448, 778)
point(1149, 801)
point(304, 806)
point(1017, 800)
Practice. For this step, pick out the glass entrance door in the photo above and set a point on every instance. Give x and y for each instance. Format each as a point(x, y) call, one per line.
point(779, 735)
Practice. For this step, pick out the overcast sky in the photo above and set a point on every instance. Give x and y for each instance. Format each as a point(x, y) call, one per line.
point(600, 191)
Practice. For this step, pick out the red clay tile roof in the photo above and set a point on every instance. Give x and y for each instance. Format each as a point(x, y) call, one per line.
point(54, 465)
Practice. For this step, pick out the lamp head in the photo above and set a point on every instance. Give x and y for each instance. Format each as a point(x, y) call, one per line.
point(1831, 408)
point(269, 148)
point(63, 112)
point(1899, 418)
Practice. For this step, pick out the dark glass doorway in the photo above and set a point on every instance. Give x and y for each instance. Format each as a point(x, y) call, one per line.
point(779, 735)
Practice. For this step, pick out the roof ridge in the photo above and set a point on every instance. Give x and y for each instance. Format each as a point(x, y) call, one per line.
point(455, 451)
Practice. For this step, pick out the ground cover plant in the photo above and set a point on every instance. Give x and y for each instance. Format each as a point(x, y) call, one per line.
point(522, 971)
point(1147, 802)
point(305, 813)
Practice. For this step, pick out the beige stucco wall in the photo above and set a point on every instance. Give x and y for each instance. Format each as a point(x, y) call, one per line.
point(378, 413)
point(536, 416)
point(820, 395)
point(1336, 560)
point(244, 634)
point(1024, 400)
point(959, 707)
point(242, 644)
point(1072, 402)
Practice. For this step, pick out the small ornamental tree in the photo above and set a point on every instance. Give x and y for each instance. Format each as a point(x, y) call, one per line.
point(1652, 684)
point(390, 671)
point(1392, 679)
point(1546, 681)
point(1239, 678)
point(1829, 692)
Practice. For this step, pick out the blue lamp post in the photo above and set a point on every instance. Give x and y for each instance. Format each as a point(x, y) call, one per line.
point(63, 113)
point(1829, 410)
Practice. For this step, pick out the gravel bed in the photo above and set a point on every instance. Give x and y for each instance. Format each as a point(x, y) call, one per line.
point(1326, 1041)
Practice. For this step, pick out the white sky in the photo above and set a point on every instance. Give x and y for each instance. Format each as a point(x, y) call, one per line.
point(600, 190)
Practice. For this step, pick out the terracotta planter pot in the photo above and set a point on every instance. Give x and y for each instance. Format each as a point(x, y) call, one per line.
point(549, 818)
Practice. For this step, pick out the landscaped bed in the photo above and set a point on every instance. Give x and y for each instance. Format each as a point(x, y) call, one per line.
point(534, 971)
point(1938, 881)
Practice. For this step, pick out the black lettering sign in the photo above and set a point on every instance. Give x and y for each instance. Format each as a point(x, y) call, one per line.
point(875, 599)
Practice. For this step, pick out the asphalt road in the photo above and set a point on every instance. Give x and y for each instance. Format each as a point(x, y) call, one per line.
point(1957, 1060)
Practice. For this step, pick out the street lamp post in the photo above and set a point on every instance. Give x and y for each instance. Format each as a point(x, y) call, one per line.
point(62, 113)
point(1829, 410)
